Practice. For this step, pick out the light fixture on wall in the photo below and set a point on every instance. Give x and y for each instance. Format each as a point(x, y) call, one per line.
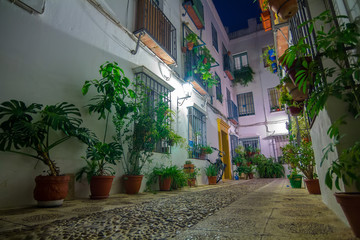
point(187, 87)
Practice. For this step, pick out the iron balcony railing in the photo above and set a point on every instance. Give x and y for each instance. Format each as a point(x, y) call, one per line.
point(233, 111)
point(152, 20)
point(192, 59)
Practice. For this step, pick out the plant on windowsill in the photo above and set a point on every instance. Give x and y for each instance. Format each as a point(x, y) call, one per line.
point(205, 149)
point(36, 129)
point(244, 76)
point(112, 91)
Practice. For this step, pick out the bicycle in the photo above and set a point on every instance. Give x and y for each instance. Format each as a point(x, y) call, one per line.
point(220, 166)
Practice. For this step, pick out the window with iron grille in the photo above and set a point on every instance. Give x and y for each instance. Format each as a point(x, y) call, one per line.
point(274, 96)
point(246, 104)
point(214, 37)
point(234, 143)
point(241, 60)
point(250, 142)
point(219, 95)
point(197, 130)
point(156, 93)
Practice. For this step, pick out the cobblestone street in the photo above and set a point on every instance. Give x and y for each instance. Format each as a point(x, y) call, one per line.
point(255, 209)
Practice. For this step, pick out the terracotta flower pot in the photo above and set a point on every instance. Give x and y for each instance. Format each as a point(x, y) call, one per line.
point(285, 9)
point(313, 186)
point(132, 183)
point(212, 180)
point(100, 186)
point(183, 49)
point(191, 182)
point(350, 204)
point(50, 191)
point(164, 183)
point(189, 168)
point(190, 45)
point(205, 60)
point(251, 175)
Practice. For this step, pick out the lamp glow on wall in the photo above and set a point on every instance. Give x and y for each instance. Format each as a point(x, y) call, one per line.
point(187, 87)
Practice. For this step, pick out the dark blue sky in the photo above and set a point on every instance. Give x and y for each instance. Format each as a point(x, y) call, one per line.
point(235, 13)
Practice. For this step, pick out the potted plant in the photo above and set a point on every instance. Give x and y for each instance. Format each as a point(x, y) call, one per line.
point(269, 58)
point(244, 169)
point(203, 67)
point(189, 167)
point(211, 172)
point(240, 155)
point(204, 150)
point(179, 179)
point(191, 39)
point(244, 76)
point(40, 129)
point(191, 177)
point(164, 175)
point(267, 168)
point(295, 107)
point(112, 89)
point(302, 157)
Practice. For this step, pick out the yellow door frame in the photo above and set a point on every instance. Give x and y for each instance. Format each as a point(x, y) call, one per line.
point(223, 127)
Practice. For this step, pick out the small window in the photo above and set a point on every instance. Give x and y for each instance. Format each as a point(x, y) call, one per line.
point(241, 60)
point(197, 131)
point(214, 37)
point(254, 143)
point(246, 104)
point(274, 96)
point(219, 95)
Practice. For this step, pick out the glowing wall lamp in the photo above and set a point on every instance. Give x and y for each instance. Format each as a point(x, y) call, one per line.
point(187, 87)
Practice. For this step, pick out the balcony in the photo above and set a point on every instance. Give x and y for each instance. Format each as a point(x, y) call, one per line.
point(156, 31)
point(229, 66)
point(195, 9)
point(191, 60)
point(233, 112)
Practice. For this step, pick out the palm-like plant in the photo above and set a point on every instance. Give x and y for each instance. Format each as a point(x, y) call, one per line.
point(30, 127)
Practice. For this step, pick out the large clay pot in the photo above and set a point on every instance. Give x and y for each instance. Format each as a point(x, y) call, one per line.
point(165, 183)
point(285, 9)
point(313, 186)
point(350, 204)
point(132, 183)
point(212, 180)
point(100, 186)
point(50, 191)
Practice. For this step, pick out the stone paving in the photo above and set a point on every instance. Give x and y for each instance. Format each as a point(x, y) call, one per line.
point(255, 209)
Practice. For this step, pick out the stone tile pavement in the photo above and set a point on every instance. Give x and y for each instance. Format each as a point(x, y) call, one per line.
point(256, 209)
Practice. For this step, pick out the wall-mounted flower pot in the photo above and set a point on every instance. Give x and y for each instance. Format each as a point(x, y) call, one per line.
point(313, 186)
point(285, 9)
point(296, 67)
point(294, 91)
point(183, 49)
point(274, 67)
point(189, 168)
point(164, 183)
point(100, 186)
point(50, 191)
point(266, 20)
point(132, 183)
point(350, 204)
point(190, 46)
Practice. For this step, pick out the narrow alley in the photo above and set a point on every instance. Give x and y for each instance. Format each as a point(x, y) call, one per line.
point(254, 209)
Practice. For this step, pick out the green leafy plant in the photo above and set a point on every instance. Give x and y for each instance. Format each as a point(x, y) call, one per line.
point(211, 170)
point(244, 76)
point(39, 129)
point(112, 90)
point(188, 162)
point(192, 37)
point(206, 149)
point(194, 174)
point(164, 172)
point(267, 168)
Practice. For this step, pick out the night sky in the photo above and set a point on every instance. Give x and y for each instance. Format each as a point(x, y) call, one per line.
point(235, 13)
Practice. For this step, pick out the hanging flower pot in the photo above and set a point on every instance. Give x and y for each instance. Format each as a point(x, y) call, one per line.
point(274, 67)
point(205, 60)
point(285, 9)
point(190, 46)
point(350, 204)
point(295, 111)
point(272, 55)
point(183, 49)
